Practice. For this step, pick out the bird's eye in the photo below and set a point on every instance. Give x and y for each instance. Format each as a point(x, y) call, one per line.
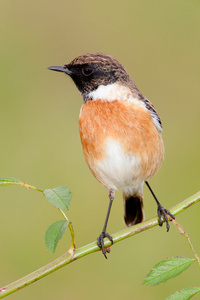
point(87, 71)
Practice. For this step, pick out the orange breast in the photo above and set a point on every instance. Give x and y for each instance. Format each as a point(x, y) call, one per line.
point(129, 124)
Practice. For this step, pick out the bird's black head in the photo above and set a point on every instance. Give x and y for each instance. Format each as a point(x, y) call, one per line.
point(91, 70)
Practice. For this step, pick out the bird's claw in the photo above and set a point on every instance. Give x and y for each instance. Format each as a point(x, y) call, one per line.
point(100, 243)
point(164, 212)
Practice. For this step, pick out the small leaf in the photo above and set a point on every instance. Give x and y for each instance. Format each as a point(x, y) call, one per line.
point(8, 180)
point(54, 233)
point(167, 269)
point(184, 294)
point(60, 197)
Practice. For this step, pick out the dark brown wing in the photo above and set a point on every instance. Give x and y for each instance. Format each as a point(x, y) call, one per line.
point(153, 112)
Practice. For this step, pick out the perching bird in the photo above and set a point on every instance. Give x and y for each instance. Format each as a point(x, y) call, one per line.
point(120, 133)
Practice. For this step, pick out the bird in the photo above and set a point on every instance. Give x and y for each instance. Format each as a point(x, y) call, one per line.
point(120, 134)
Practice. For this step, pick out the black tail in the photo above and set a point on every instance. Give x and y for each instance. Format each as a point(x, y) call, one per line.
point(133, 209)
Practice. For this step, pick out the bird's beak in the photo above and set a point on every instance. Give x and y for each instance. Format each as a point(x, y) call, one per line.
point(63, 69)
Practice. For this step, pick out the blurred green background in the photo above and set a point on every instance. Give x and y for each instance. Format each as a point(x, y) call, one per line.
point(159, 44)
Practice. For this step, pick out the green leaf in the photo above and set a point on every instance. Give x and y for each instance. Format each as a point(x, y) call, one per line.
point(184, 294)
point(167, 269)
point(8, 180)
point(54, 233)
point(60, 197)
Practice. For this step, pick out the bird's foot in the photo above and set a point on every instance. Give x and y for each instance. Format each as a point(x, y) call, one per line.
point(165, 213)
point(100, 243)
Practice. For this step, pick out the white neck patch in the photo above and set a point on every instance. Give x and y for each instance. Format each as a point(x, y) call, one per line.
point(112, 92)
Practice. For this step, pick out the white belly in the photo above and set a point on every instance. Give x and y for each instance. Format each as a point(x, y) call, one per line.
point(119, 170)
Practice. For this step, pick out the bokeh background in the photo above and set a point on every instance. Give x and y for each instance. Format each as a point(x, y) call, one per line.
point(159, 44)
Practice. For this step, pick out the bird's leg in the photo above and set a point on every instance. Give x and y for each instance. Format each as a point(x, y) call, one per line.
point(104, 234)
point(161, 210)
